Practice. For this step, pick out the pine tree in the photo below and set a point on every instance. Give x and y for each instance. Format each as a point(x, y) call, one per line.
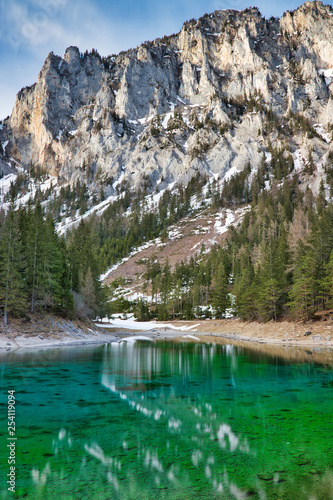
point(220, 298)
point(52, 266)
point(12, 264)
point(328, 281)
point(321, 241)
point(82, 248)
point(32, 223)
point(321, 199)
point(89, 293)
point(272, 277)
point(66, 304)
point(245, 292)
point(303, 291)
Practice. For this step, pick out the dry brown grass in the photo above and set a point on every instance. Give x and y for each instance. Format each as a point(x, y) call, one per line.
point(284, 331)
point(194, 232)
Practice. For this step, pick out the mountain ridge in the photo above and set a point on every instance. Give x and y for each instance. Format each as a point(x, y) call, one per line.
point(227, 122)
point(210, 98)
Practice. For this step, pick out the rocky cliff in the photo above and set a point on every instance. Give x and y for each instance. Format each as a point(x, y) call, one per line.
point(213, 97)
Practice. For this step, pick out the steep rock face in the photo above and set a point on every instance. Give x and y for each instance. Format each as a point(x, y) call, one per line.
point(43, 110)
point(201, 99)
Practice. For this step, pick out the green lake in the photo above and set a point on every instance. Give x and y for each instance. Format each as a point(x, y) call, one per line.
point(167, 420)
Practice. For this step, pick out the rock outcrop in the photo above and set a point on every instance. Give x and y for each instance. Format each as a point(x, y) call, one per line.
point(211, 98)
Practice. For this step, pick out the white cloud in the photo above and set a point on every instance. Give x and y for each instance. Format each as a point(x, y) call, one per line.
point(29, 32)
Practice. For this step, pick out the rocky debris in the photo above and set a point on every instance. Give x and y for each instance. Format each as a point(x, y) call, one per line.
point(46, 326)
point(198, 100)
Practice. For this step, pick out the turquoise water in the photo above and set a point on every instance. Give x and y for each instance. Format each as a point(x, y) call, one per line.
point(168, 421)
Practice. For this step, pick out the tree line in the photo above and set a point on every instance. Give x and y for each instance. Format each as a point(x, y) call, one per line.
point(39, 271)
point(277, 263)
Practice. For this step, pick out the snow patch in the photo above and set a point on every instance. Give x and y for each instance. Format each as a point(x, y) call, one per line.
point(299, 161)
point(4, 145)
point(327, 74)
point(118, 181)
point(180, 100)
point(132, 324)
point(319, 128)
point(62, 227)
point(231, 173)
point(230, 217)
point(135, 338)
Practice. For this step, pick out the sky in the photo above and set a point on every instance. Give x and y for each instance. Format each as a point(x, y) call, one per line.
point(30, 29)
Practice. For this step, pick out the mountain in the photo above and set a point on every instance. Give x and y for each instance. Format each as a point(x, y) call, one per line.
point(210, 98)
point(220, 135)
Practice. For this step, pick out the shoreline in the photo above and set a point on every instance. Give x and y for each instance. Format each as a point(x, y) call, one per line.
point(69, 334)
point(308, 352)
point(272, 333)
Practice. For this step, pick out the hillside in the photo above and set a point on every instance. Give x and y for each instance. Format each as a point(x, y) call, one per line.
point(190, 238)
point(193, 174)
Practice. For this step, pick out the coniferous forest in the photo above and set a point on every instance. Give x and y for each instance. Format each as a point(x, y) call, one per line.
point(277, 263)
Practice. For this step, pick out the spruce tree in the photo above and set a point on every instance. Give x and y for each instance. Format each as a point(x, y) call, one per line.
point(328, 282)
point(220, 298)
point(13, 297)
point(303, 290)
point(271, 276)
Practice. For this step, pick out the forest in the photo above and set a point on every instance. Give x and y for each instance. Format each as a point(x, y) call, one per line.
point(277, 263)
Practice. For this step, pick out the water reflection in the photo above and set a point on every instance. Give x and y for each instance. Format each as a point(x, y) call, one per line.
point(128, 421)
point(202, 429)
point(138, 377)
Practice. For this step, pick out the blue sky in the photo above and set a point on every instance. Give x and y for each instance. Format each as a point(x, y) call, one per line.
point(30, 29)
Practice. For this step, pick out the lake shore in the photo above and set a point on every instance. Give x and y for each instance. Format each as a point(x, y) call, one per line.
point(283, 332)
point(50, 331)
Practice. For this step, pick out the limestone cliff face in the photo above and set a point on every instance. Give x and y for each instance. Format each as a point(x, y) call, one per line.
point(200, 99)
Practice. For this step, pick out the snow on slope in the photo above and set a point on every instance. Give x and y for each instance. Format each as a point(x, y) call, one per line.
point(31, 189)
point(319, 128)
point(188, 238)
point(223, 220)
point(131, 324)
point(71, 222)
point(327, 74)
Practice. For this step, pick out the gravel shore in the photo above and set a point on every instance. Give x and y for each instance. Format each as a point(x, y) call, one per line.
point(67, 333)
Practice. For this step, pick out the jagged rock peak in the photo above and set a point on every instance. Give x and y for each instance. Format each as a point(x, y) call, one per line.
point(315, 8)
point(196, 100)
point(72, 54)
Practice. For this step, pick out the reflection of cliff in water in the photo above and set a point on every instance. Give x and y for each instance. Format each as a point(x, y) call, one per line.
point(174, 386)
point(170, 420)
point(208, 404)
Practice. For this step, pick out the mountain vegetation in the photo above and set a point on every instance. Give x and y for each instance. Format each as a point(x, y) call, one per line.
point(233, 111)
point(277, 263)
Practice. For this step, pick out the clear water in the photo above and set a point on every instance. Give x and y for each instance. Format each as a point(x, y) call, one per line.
point(167, 421)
